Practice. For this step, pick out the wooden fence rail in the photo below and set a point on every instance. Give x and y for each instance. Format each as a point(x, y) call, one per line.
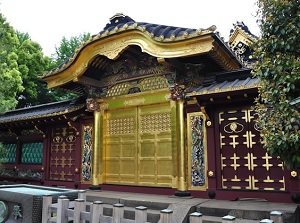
point(65, 211)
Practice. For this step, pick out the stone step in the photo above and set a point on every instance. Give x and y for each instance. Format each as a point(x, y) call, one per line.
point(153, 216)
point(212, 219)
point(248, 210)
point(245, 211)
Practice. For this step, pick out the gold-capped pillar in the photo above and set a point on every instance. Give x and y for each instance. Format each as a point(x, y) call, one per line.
point(177, 94)
point(94, 105)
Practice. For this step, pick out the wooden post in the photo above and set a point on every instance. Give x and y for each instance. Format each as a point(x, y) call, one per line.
point(46, 211)
point(196, 217)
point(181, 151)
point(140, 214)
point(118, 213)
point(96, 211)
point(276, 216)
point(78, 208)
point(228, 219)
point(62, 206)
point(166, 216)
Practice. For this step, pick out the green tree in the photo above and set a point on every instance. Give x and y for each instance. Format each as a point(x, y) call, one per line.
point(68, 47)
point(65, 51)
point(278, 66)
point(32, 62)
point(10, 76)
point(21, 61)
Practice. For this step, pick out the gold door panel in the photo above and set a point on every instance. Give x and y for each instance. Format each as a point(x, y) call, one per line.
point(120, 147)
point(138, 146)
point(155, 146)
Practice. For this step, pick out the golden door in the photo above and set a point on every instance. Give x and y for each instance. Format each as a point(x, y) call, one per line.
point(138, 146)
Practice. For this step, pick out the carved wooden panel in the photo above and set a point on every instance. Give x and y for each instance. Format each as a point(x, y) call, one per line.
point(62, 156)
point(87, 150)
point(197, 151)
point(244, 162)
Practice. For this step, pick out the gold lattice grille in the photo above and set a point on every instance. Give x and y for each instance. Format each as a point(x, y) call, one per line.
point(119, 89)
point(147, 84)
point(156, 122)
point(120, 126)
point(154, 83)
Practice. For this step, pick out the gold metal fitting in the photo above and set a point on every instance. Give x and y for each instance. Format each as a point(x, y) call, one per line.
point(294, 173)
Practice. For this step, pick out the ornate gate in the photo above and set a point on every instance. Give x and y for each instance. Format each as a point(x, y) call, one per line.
point(138, 146)
point(244, 162)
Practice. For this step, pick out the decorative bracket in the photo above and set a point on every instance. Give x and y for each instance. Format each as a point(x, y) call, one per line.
point(177, 92)
point(92, 104)
point(70, 124)
point(39, 130)
point(204, 112)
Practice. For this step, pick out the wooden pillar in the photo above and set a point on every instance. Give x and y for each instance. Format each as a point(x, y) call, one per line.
point(94, 105)
point(180, 127)
point(177, 94)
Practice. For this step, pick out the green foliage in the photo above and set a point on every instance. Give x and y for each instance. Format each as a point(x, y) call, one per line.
point(31, 62)
point(278, 67)
point(10, 76)
point(65, 50)
point(68, 47)
point(22, 61)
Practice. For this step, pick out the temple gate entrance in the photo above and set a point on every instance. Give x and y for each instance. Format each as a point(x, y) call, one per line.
point(138, 146)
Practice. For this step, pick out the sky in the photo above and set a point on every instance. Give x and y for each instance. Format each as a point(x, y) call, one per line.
point(48, 21)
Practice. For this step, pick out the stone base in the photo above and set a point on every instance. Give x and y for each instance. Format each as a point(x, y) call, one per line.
point(182, 194)
point(94, 187)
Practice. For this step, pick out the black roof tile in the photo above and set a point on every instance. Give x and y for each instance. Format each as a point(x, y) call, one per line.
point(42, 111)
point(225, 86)
point(157, 30)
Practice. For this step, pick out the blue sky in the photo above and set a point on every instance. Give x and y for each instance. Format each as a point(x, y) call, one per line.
point(47, 22)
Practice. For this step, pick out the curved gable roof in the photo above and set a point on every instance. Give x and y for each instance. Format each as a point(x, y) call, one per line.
point(160, 41)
